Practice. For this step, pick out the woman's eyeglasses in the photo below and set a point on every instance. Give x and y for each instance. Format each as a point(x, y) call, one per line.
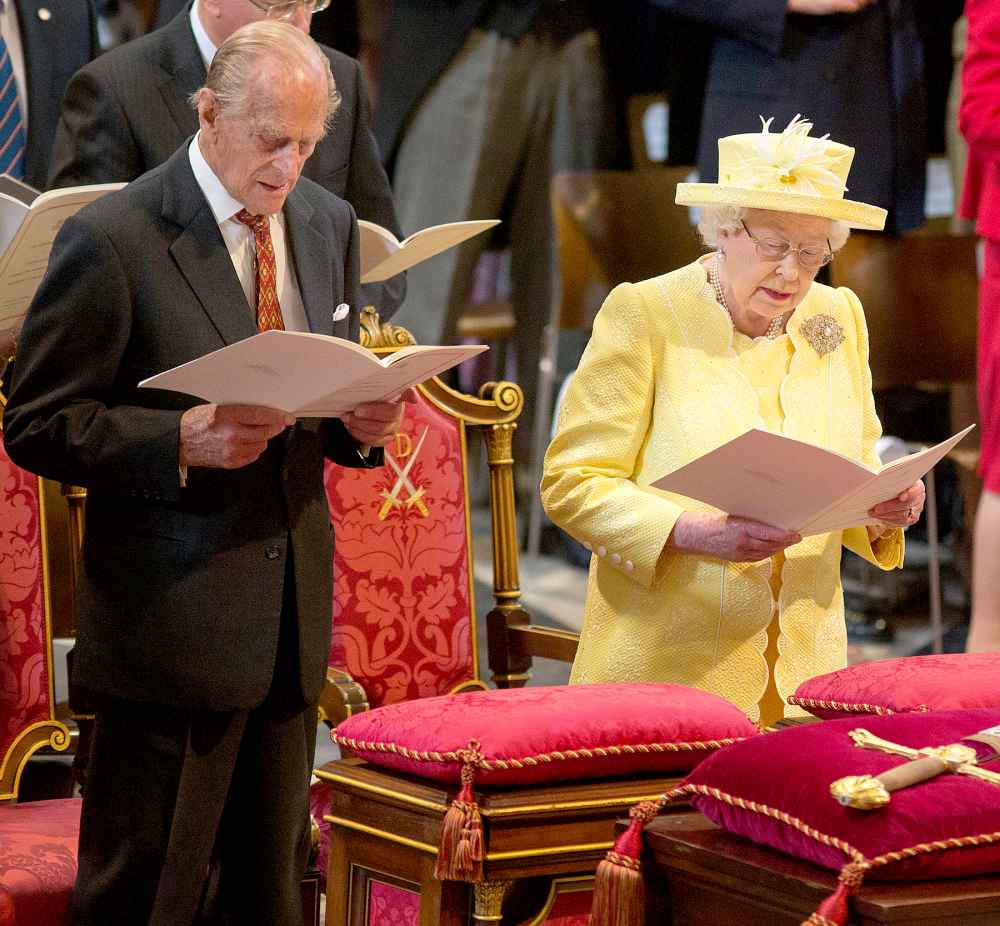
point(776, 249)
point(285, 9)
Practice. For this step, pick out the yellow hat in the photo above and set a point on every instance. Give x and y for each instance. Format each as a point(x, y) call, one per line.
point(785, 172)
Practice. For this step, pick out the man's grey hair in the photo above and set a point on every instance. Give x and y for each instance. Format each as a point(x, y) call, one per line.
point(714, 219)
point(230, 78)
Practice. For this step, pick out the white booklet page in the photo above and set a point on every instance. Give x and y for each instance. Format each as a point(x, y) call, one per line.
point(307, 375)
point(796, 485)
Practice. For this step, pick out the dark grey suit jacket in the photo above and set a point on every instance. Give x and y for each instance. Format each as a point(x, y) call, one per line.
point(128, 111)
point(54, 47)
point(858, 76)
point(181, 588)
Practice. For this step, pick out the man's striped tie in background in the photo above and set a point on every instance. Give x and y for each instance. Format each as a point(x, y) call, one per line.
point(11, 124)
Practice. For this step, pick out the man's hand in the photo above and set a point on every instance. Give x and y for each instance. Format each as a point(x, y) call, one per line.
point(376, 423)
point(827, 7)
point(724, 536)
point(228, 436)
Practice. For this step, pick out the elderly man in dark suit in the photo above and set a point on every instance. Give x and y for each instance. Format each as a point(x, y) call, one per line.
point(42, 44)
point(206, 577)
point(854, 67)
point(128, 111)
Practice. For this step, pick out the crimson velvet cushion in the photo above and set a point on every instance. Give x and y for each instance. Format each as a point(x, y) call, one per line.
point(559, 732)
point(896, 686)
point(775, 790)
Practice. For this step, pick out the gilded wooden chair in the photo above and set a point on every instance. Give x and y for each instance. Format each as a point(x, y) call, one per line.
point(404, 604)
point(37, 839)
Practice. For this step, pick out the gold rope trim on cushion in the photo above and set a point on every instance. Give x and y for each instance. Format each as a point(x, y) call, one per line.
point(940, 845)
point(859, 860)
point(598, 752)
point(855, 855)
point(844, 706)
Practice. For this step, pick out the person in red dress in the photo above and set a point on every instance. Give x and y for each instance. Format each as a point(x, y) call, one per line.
point(979, 121)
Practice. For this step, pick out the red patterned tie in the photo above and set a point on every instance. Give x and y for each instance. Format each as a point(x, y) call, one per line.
point(268, 310)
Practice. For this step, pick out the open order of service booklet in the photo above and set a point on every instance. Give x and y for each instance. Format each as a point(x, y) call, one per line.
point(307, 375)
point(796, 485)
point(383, 255)
point(29, 222)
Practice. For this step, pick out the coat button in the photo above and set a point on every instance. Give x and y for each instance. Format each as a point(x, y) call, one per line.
point(272, 553)
point(629, 565)
point(616, 558)
point(602, 552)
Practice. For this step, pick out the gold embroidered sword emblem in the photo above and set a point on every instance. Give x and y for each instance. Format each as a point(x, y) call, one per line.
point(415, 498)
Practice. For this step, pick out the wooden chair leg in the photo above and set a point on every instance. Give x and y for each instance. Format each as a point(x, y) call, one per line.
point(338, 880)
point(443, 903)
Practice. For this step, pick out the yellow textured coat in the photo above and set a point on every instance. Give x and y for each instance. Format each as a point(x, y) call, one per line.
point(658, 386)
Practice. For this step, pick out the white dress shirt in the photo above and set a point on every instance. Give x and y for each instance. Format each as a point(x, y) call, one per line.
point(206, 46)
point(242, 248)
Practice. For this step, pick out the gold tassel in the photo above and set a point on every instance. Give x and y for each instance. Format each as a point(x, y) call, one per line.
point(462, 850)
point(619, 888)
point(836, 909)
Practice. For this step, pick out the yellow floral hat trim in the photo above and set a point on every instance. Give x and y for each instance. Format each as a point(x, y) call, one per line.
point(787, 171)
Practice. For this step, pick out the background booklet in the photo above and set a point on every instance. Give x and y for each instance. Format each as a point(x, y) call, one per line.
point(29, 222)
point(383, 255)
point(305, 374)
point(794, 484)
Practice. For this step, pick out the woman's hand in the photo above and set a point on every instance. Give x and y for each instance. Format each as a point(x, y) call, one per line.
point(902, 511)
point(739, 540)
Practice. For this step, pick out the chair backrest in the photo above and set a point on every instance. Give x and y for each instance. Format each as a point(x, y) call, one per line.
point(27, 696)
point(920, 297)
point(615, 227)
point(404, 605)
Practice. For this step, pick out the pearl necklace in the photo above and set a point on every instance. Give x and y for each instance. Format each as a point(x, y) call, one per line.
point(774, 329)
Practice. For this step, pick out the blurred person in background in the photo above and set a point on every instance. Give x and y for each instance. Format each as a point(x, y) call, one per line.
point(42, 44)
point(859, 63)
point(480, 103)
point(979, 120)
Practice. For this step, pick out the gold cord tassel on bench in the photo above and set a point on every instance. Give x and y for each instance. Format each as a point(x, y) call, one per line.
point(461, 851)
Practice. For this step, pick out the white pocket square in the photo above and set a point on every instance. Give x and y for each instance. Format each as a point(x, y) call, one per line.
point(340, 313)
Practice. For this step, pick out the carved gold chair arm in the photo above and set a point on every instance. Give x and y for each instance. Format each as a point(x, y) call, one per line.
point(341, 697)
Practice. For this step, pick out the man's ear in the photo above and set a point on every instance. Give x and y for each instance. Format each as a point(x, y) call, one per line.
point(208, 108)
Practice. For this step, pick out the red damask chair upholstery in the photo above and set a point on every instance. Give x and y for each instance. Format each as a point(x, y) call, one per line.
point(37, 839)
point(403, 610)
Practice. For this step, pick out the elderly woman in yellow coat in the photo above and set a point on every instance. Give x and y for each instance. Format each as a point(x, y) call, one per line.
point(682, 363)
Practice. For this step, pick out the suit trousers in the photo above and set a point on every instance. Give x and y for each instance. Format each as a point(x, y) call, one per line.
point(195, 816)
point(494, 128)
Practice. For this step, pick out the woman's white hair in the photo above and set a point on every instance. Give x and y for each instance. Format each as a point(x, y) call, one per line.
point(230, 77)
point(714, 219)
